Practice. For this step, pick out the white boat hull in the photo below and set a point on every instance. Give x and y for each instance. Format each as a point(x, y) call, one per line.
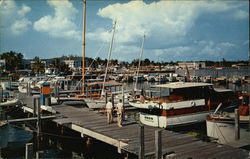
point(12, 102)
point(225, 132)
point(175, 105)
point(165, 122)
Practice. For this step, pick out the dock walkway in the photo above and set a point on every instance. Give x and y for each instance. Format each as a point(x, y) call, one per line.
point(94, 124)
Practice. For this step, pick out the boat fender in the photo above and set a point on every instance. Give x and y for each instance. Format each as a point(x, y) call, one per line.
point(193, 103)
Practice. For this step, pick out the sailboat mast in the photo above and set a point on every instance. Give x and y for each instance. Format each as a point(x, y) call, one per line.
point(139, 65)
point(109, 56)
point(83, 45)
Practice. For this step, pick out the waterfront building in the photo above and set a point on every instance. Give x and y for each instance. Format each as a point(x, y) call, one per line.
point(192, 65)
point(73, 64)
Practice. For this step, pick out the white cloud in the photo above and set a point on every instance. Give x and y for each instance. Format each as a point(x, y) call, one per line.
point(61, 23)
point(209, 48)
point(24, 9)
point(20, 26)
point(168, 26)
point(171, 20)
point(240, 14)
point(13, 17)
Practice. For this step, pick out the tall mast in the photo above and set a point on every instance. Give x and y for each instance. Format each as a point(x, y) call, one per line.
point(138, 69)
point(83, 45)
point(109, 56)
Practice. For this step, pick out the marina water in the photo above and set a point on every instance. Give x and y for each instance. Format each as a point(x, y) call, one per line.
point(70, 145)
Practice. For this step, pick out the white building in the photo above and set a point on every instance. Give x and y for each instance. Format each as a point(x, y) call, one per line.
point(2, 63)
point(192, 65)
point(73, 64)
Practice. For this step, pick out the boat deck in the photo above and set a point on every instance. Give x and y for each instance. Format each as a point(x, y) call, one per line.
point(126, 138)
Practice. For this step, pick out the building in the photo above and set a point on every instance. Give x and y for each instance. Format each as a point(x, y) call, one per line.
point(192, 65)
point(73, 64)
point(2, 63)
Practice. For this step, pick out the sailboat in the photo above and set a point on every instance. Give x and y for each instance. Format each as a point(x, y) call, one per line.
point(93, 92)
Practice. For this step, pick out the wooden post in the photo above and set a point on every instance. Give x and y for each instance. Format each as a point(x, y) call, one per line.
point(106, 97)
point(9, 83)
point(122, 96)
point(90, 92)
point(29, 151)
point(38, 117)
point(1, 94)
point(37, 155)
point(58, 94)
point(158, 151)
point(237, 124)
point(27, 89)
point(87, 92)
point(112, 100)
point(46, 101)
point(141, 138)
point(49, 100)
point(34, 106)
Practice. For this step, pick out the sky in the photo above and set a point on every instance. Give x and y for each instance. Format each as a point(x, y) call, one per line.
point(183, 30)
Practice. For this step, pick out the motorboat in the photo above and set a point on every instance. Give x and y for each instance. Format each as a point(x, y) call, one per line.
point(180, 103)
point(221, 125)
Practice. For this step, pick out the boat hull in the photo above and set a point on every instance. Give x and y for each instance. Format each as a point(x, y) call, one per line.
point(165, 122)
point(225, 132)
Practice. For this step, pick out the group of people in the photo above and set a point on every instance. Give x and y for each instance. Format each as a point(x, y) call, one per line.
point(119, 110)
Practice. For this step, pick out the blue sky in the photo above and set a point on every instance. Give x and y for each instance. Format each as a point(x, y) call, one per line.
point(175, 30)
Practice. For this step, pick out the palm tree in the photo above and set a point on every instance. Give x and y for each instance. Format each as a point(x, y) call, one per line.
point(38, 66)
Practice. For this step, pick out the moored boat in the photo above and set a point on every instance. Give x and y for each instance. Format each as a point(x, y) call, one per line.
point(181, 103)
point(221, 126)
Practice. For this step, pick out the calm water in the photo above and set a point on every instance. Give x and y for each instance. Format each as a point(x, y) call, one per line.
point(70, 145)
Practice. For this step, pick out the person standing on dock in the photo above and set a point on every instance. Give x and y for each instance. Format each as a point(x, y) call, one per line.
point(109, 110)
point(119, 110)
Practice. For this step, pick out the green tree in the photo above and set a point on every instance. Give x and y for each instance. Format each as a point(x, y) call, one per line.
point(38, 65)
point(14, 61)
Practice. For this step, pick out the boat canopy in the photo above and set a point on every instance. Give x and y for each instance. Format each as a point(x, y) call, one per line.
point(178, 85)
point(105, 83)
point(220, 90)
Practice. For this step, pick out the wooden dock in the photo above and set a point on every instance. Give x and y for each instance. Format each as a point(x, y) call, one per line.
point(174, 145)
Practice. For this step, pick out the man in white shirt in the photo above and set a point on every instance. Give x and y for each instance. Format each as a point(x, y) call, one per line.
point(119, 109)
point(109, 110)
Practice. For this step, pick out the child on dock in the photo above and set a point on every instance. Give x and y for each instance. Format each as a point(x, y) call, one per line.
point(109, 110)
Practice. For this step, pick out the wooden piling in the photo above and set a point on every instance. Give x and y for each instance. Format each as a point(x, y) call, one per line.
point(37, 155)
point(38, 117)
point(158, 145)
point(237, 124)
point(58, 94)
point(27, 89)
point(34, 106)
point(29, 151)
point(141, 140)
point(112, 100)
point(122, 96)
point(1, 94)
point(47, 101)
point(106, 97)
